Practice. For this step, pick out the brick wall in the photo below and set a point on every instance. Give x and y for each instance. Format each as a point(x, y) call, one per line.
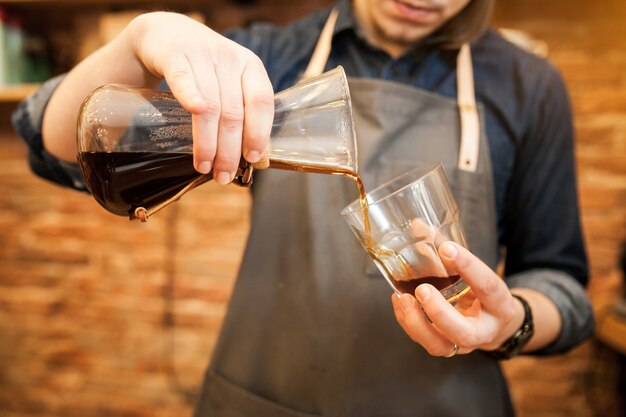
point(85, 297)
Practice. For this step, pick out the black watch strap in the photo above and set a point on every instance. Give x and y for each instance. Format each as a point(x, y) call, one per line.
point(513, 346)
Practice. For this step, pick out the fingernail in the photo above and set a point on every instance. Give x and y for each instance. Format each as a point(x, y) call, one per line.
point(253, 156)
point(406, 303)
point(204, 167)
point(449, 250)
point(223, 177)
point(422, 293)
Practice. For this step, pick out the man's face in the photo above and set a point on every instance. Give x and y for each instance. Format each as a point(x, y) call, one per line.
point(395, 25)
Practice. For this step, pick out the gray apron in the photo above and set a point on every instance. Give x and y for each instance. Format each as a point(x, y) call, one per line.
point(310, 329)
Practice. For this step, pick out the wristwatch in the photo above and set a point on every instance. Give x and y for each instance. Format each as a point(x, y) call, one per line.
point(520, 338)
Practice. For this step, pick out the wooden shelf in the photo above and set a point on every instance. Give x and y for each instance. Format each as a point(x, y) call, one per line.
point(17, 92)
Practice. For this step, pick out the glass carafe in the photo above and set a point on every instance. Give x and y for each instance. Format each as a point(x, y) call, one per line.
point(135, 144)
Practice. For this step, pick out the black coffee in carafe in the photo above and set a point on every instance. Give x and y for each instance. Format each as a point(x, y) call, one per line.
point(135, 144)
point(124, 181)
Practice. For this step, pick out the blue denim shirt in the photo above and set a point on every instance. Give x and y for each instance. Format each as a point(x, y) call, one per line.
point(528, 124)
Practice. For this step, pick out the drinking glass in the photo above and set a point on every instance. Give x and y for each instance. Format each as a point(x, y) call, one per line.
point(402, 223)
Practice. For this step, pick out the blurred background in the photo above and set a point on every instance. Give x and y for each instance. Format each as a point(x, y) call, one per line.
point(100, 316)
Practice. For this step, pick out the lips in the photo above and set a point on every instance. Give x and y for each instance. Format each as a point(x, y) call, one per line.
point(415, 11)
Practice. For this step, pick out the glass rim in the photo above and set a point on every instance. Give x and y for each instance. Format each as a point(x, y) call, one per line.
point(428, 170)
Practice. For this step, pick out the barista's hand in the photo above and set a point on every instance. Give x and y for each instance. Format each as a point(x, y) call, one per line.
point(483, 319)
point(224, 86)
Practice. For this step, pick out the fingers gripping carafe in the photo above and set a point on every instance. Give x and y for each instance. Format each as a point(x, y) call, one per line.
point(135, 144)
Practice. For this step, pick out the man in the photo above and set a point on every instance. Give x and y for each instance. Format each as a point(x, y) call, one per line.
point(310, 329)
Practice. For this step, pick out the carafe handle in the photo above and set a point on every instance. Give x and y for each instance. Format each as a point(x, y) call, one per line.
point(243, 178)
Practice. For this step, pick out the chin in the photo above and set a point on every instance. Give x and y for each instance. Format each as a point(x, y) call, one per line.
point(397, 29)
point(405, 35)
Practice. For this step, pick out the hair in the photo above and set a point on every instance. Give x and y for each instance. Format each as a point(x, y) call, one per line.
point(469, 24)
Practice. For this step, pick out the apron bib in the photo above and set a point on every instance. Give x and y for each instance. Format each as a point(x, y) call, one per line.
point(310, 329)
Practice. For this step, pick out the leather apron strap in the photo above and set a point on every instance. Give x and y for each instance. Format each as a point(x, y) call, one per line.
point(466, 98)
point(322, 48)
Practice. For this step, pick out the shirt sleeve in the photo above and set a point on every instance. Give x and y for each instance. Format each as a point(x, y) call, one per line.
point(543, 237)
point(571, 300)
point(27, 121)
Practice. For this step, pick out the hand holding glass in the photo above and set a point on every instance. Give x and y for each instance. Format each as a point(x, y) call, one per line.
point(409, 218)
